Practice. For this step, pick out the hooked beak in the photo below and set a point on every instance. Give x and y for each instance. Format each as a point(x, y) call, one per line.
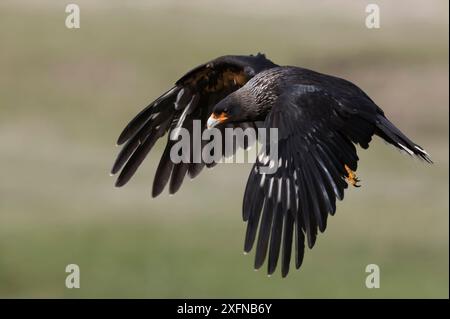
point(215, 119)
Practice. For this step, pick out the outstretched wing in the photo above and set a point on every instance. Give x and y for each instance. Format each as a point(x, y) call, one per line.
point(317, 129)
point(192, 98)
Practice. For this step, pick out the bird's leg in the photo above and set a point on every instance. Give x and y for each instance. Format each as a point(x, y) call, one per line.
point(351, 177)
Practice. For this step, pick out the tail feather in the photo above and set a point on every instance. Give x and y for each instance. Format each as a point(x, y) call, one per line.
point(391, 134)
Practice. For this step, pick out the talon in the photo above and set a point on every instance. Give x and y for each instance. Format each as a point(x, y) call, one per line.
point(351, 177)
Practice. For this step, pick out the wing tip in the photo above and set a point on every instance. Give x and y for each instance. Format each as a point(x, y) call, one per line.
point(123, 137)
point(119, 183)
point(156, 192)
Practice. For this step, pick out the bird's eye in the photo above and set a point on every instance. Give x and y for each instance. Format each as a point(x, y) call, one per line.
point(225, 110)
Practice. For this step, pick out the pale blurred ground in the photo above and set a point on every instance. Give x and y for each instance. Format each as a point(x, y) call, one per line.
point(66, 94)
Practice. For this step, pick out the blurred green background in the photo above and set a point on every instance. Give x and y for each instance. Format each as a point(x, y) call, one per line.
point(66, 94)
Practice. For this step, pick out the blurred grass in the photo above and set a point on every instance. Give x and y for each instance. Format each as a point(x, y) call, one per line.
point(66, 94)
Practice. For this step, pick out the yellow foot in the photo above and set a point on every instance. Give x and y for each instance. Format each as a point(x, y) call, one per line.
point(351, 177)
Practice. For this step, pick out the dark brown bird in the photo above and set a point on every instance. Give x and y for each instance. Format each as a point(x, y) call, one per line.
point(320, 118)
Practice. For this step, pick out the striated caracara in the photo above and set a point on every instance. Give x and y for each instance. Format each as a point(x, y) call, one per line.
point(320, 118)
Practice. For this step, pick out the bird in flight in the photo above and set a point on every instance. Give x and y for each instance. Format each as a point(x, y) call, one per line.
point(320, 118)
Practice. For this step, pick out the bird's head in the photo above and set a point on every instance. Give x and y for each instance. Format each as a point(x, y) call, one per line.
point(223, 112)
point(236, 107)
point(250, 103)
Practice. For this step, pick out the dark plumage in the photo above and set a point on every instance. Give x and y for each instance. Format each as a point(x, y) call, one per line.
point(320, 119)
